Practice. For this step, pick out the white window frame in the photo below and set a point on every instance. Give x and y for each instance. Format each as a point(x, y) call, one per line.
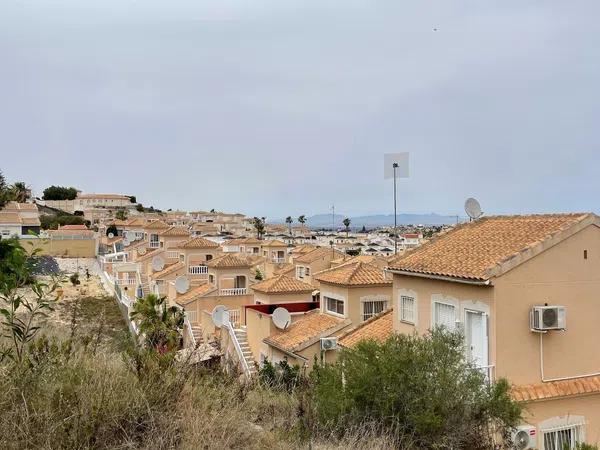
point(554, 425)
point(307, 271)
point(299, 272)
point(402, 308)
point(408, 293)
point(449, 301)
point(373, 299)
point(338, 298)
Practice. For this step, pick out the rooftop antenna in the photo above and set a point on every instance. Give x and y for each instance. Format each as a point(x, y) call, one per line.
point(395, 165)
point(473, 209)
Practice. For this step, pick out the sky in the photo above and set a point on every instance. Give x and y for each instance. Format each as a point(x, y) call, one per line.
point(286, 107)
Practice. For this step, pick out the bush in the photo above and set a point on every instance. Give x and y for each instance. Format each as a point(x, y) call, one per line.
point(414, 386)
point(280, 375)
point(50, 222)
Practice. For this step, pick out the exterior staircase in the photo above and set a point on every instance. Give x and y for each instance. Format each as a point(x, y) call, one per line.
point(240, 334)
point(197, 333)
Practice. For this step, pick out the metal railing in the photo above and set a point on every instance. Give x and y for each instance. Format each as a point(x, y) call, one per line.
point(154, 244)
point(172, 255)
point(236, 344)
point(197, 270)
point(192, 316)
point(235, 316)
point(125, 281)
point(278, 260)
point(233, 291)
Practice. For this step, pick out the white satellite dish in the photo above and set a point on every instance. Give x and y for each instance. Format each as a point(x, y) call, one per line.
point(158, 263)
point(111, 235)
point(130, 235)
point(141, 251)
point(281, 318)
point(473, 208)
point(218, 315)
point(182, 284)
point(126, 242)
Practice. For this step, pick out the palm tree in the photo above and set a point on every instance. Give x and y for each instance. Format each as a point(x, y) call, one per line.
point(302, 219)
point(19, 192)
point(259, 226)
point(346, 223)
point(289, 221)
point(161, 325)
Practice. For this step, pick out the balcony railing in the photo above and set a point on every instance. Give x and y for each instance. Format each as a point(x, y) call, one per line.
point(197, 270)
point(233, 291)
point(154, 244)
point(278, 260)
point(125, 281)
point(235, 316)
point(172, 255)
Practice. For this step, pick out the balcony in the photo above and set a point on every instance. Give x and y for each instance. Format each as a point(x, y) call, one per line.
point(233, 291)
point(125, 281)
point(278, 260)
point(154, 244)
point(197, 270)
point(172, 255)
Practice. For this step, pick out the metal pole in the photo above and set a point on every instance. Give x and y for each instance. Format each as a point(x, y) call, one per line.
point(395, 166)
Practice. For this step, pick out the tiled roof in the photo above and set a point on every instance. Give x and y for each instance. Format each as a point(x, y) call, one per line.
point(20, 206)
point(156, 225)
point(233, 260)
point(175, 231)
point(370, 259)
point(306, 330)
point(136, 222)
point(478, 250)
point(274, 243)
point(10, 217)
point(197, 242)
point(168, 270)
point(150, 254)
point(302, 249)
point(245, 241)
point(73, 227)
point(378, 328)
point(284, 269)
point(353, 274)
point(282, 284)
point(318, 253)
point(554, 389)
point(195, 293)
point(33, 221)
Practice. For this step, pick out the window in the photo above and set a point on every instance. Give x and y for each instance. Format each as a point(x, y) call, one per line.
point(561, 438)
point(307, 271)
point(373, 307)
point(299, 272)
point(444, 315)
point(5, 232)
point(407, 309)
point(335, 306)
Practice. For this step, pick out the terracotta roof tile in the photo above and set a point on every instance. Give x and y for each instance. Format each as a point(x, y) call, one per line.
point(555, 389)
point(318, 253)
point(306, 330)
point(195, 293)
point(282, 284)
point(379, 328)
point(285, 269)
point(10, 217)
point(302, 249)
point(168, 270)
point(233, 260)
point(156, 225)
point(175, 231)
point(274, 243)
point(353, 274)
point(150, 254)
point(20, 206)
point(197, 242)
point(473, 250)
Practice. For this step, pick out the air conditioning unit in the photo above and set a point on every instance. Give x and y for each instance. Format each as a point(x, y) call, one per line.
point(524, 437)
point(544, 318)
point(329, 343)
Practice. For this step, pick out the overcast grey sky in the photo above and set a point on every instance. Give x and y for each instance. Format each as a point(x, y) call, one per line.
point(285, 107)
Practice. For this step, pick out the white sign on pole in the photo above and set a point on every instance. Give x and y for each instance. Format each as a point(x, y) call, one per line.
point(399, 158)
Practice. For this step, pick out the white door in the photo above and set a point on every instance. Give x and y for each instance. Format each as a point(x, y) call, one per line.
point(476, 335)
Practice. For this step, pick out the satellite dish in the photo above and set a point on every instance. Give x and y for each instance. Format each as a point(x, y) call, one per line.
point(218, 315)
point(131, 236)
point(281, 318)
point(182, 284)
point(126, 242)
point(142, 251)
point(111, 235)
point(473, 209)
point(158, 263)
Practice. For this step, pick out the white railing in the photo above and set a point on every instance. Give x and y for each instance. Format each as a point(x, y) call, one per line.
point(236, 344)
point(192, 316)
point(188, 326)
point(235, 316)
point(125, 281)
point(172, 255)
point(488, 372)
point(197, 270)
point(126, 300)
point(154, 244)
point(278, 260)
point(233, 291)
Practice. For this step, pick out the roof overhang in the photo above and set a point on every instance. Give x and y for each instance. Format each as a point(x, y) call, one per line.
point(441, 277)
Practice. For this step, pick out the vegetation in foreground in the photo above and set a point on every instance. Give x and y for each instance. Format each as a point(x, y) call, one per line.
point(67, 392)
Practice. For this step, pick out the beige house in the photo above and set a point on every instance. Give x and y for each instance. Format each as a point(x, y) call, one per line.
point(282, 289)
point(171, 237)
point(275, 251)
point(489, 278)
point(314, 261)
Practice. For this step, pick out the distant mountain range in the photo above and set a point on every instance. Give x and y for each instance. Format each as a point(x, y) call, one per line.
point(378, 220)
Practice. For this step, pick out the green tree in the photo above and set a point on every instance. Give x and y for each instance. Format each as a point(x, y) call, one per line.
point(132, 199)
point(259, 226)
point(160, 325)
point(302, 219)
point(289, 222)
point(19, 192)
point(346, 223)
point(59, 193)
point(139, 207)
point(417, 386)
point(121, 214)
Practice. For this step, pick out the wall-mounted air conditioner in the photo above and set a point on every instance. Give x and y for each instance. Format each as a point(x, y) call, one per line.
point(545, 318)
point(329, 343)
point(524, 438)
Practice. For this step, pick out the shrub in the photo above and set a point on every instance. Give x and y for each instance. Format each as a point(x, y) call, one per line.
point(59, 193)
point(280, 375)
point(421, 387)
